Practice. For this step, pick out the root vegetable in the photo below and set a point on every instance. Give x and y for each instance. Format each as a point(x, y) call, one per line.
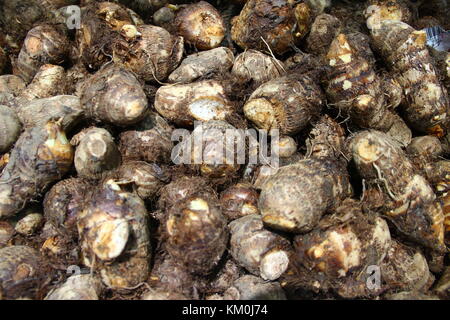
point(6, 233)
point(287, 147)
point(40, 157)
point(66, 109)
point(239, 200)
point(285, 104)
point(196, 234)
point(44, 44)
point(22, 272)
point(185, 103)
point(442, 287)
point(286, 202)
point(249, 287)
point(260, 251)
point(77, 287)
point(200, 24)
point(327, 139)
point(114, 95)
point(200, 64)
point(324, 29)
point(409, 199)
point(380, 10)
point(253, 65)
point(10, 127)
point(95, 154)
point(114, 236)
point(29, 224)
point(153, 55)
point(163, 295)
point(10, 87)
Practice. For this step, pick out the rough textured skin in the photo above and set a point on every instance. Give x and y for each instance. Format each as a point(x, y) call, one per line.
point(77, 287)
point(43, 44)
point(239, 200)
point(95, 153)
point(326, 140)
point(409, 200)
point(114, 95)
point(3, 60)
point(253, 65)
point(123, 259)
point(380, 10)
point(40, 157)
point(442, 288)
point(200, 64)
point(286, 203)
point(10, 87)
point(152, 56)
point(405, 268)
point(197, 234)
point(100, 24)
point(404, 50)
point(355, 89)
point(163, 295)
point(324, 29)
point(253, 288)
point(186, 103)
point(284, 103)
point(22, 272)
point(200, 24)
point(250, 243)
point(64, 202)
point(66, 109)
point(10, 127)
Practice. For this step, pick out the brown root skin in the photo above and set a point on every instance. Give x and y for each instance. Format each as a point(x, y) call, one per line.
point(200, 64)
point(44, 44)
point(196, 234)
point(23, 272)
point(200, 24)
point(66, 109)
point(285, 103)
point(152, 56)
point(114, 95)
point(249, 287)
point(64, 202)
point(96, 153)
point(261, 252)
point(239, 200)
point(255, 66)
point(10, 127)
point(324, 29)
point(285, 201)
point(256, 28)
point(114, 236)
point(404, 50)
point(409, 200)
point(77, 287)
point(10, 87)
point(160, 294)
point(198, 101)
point(327, 140)
point(442, 287)
point(40, 157)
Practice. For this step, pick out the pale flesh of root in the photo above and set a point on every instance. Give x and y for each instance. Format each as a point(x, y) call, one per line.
point(274, 264)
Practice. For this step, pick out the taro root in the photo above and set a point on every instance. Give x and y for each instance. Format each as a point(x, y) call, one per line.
point(442, 287)
point(287, 147)
point(200, 24)
point(49, 81)
point(196, 234)
point(95, 153)
point(10, 127)
point(114, 236)
point(380, 10)
point(66, 109)
point(3, 60)
point(256, 27)
point(41, 156)
point(10, 87)
point(77, 287)
point(326, 139)
point(160, 294)
point(261, 252)
point(405, 268)
point(43, 44)
point(286, 201)
point(324, 29)
point(410, 295)
point(29, 224)
point(114, 95)
point(404, 50)
point(6, 233)
point(239, 200)
point(22, 272)
point(64, 202)
point(101, 23)
point(249, 287)
point(201, 64)
point(252, 65)
point(153, 55)
point(424, 150)
point(147, 178)
point(285, 104)
point(145, 7)
point(409, 201)
point(186, 103)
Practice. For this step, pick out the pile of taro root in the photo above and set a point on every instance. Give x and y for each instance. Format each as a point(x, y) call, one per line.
point(103, 194)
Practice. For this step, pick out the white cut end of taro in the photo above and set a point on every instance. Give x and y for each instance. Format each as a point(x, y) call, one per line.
point(111, 239)
point(207, 109)
point(273, 265)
